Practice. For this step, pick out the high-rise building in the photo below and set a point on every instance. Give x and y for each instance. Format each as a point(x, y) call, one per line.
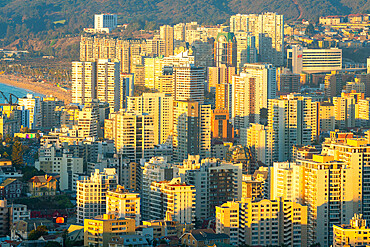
point(86, 48)
point(295, 59)
point(344, 111)
point(225, 50)
point(220, 75)
point(160, 107)
point(216, 181)
point(246, 49)
point(266, 222)
point(189, 84)
point(203, 53)
point(224, 97)
point(99, 230)
point(268, 28)
point(325, 184)
point(123, 204)
point(167, 35)
point(227, 220)
point(108, 83)
point(153, 69)
point(292, 120)
point(88, 121)
point(221, 126)
point(105, 21)
point(83, 82)
point(157, 169)
point(133, 134)
point(49, 116)
point(91, 194)
point(314, 60)
point(326, 116)
point(139, 72)
point(334, 84)
point(257, 141)
point(32, 107)
point(251, 92)
point(191, 129)
point(289, 83)
point(179, 32)
point(172, 200)
point(363, 117)
point(353, 234)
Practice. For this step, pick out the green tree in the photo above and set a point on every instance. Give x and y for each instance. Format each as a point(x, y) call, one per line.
point(29, 172)
point(310, 30)
point(36, 234)
point(17, 154)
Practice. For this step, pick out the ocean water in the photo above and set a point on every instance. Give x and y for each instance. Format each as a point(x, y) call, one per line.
point(19, 92)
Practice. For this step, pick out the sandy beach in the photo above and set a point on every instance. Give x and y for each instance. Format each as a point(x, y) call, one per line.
point(39, 87)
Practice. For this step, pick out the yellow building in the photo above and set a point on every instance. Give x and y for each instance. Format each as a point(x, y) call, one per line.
point(265, 223)
point(133, 134)
point(357, 233)
point(100, 230)
point(42, 185)
point(163, 228)
point(227, 220)
point(158, 105)
point(173, 200)
point(123, 204)
point(10, 120)
point(166, 34)
point(345, 110)
point(326, 116)
point(152, 70)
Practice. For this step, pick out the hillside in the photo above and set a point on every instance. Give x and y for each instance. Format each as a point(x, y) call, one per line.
point(55, 19)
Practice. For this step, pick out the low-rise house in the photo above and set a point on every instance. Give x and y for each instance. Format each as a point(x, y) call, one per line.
point(42, 185)
point(128, 240)
point(11, 188)
point(203, 237)
point(21, 229)
point(18, 212)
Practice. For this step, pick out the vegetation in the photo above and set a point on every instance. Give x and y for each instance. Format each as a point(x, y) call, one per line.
point(14, 150)
point(46, 202)
point(36, 234)
point(29, 172)
point(48, 21)
point(139, 90)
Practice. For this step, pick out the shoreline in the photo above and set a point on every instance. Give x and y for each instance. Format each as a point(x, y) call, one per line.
point(45, 89)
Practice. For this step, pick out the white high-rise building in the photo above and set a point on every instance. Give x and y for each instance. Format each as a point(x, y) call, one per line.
point(267, 222)
point(88, 121)
point(344, 111)
point(251, 91)
point(91, 194)
point(301, 59)
point(246, 49)
point(105, 22)
point(189, 84)
point(108, 83)
point(191, 129)
point(216, 181)
point(124, 204)
point(31, 106)
point(83, 82)
point(172, 200)
point(157, 169)
point(160, 107)
point(268, 28)
point(292, 120)
point(257, 141)
point(133, 134)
